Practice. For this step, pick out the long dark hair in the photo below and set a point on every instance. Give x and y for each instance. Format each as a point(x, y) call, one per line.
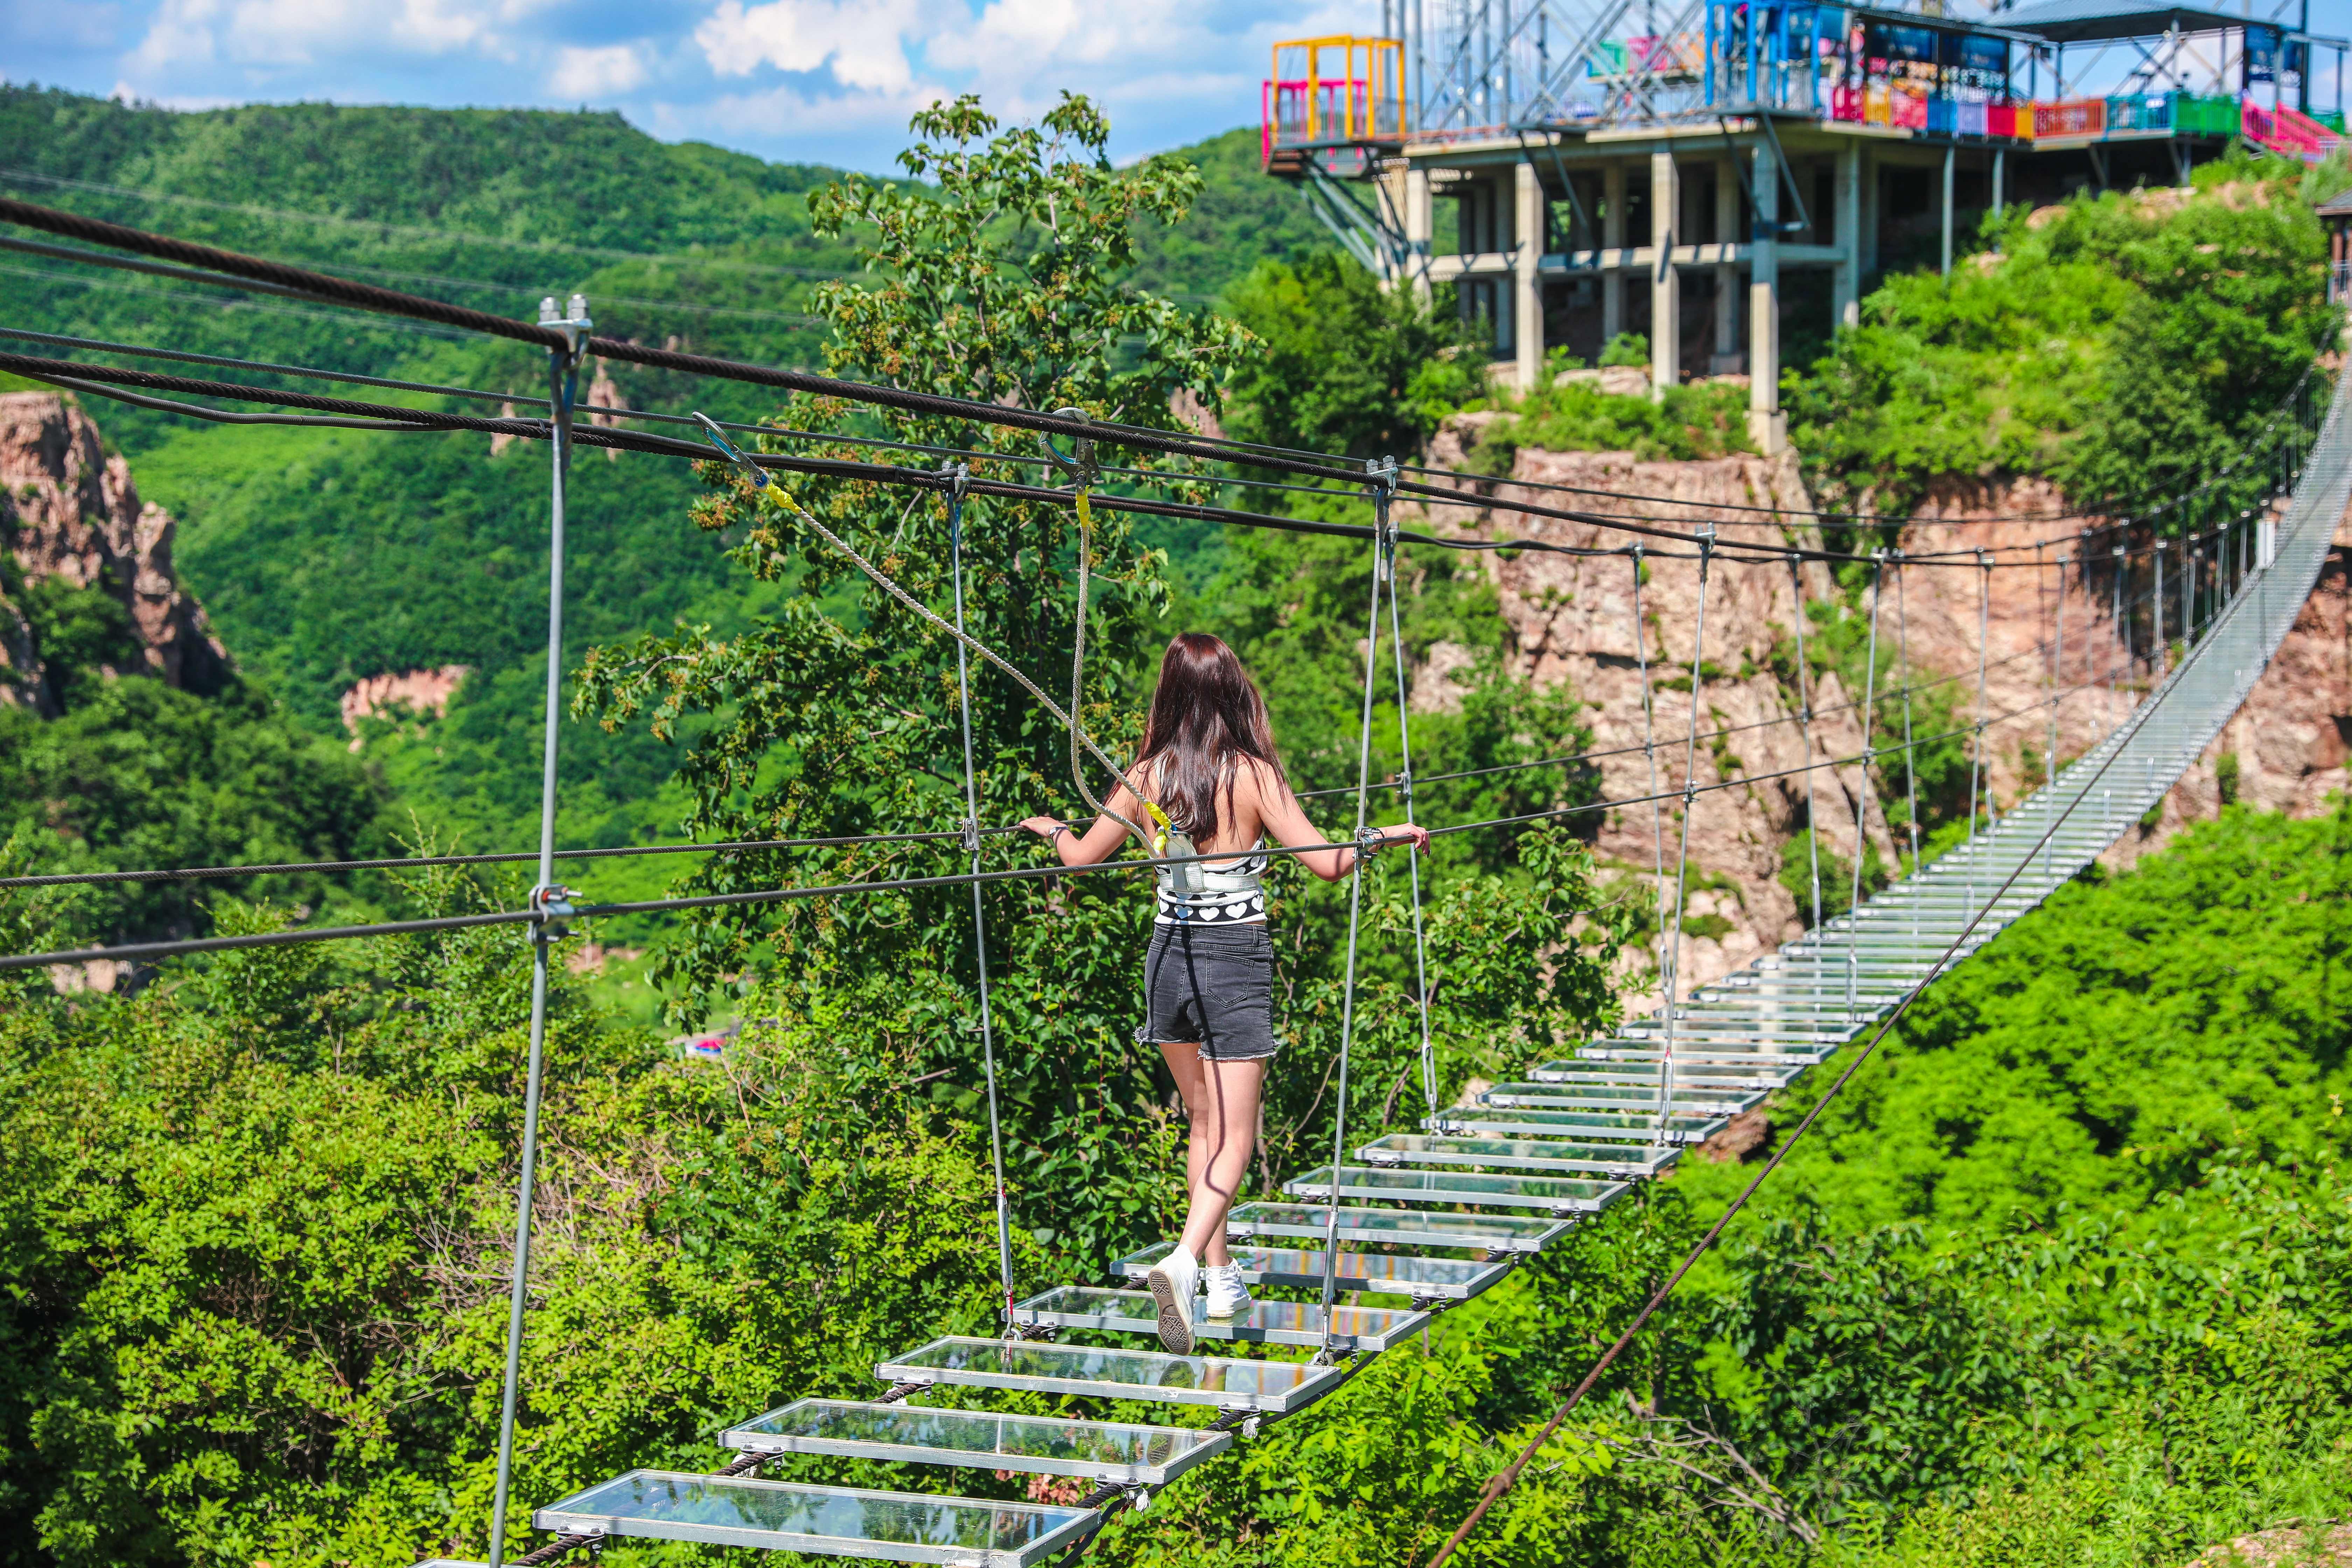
point(1206, 715)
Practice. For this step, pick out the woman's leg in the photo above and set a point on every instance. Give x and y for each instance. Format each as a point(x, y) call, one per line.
point(1226, 1130)
point(1185, 1066)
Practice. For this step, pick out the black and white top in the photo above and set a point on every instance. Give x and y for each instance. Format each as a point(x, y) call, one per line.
point(1231, 892)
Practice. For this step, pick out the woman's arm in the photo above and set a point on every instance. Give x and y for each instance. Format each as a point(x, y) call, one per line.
point(1101, 841)
point(1287, 825)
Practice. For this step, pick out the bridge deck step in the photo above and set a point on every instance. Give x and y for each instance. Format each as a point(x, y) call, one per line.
point(836, 1522)
point(1034, 1366)
point(1381, 1273)
point(1551, 1195)
point(1689, 1099)
point(988, 1440)
point(1518, 1154)
point(1595, 1125)
point(1092, 1307)
point(1398, 1228)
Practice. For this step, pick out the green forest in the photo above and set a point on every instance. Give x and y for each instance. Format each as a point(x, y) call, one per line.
point(2065, 1277)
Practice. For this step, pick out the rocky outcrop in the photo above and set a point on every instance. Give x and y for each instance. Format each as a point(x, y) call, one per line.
point(1573, 620)
point(67, 510)
point(408, 692)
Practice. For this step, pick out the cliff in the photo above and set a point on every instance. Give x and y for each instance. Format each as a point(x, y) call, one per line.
point(70, 511)
point(1571, 619)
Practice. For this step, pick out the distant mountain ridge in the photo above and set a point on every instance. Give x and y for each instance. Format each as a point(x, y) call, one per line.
point(326, 559)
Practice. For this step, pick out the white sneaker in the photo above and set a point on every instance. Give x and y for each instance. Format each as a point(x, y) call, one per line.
point(1228, 1297)
point(1174, 1282)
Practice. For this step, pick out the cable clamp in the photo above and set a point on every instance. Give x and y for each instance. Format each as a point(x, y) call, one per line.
point(550, 906)
point(1080, 465)
point(573, 322)
point(1368, 841)
point(1404, 789)
point(971, 835)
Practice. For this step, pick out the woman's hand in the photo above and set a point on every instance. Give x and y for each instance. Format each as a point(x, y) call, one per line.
point(1409, 833)
point(1050, 827)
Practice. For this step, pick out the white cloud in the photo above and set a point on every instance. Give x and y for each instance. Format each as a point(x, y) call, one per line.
point(863, 41)
point(270, 35)
point(596, 73)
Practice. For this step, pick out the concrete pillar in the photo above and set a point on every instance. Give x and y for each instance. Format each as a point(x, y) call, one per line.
point(1767, 426)
point(1420, 223)
point(1497, 240)
point(1866, 223)
point(1527, 229)
point(1726, 276)
point(1665, 285)
point(1612, 237)
point(1951, 153)
point(1846, 279)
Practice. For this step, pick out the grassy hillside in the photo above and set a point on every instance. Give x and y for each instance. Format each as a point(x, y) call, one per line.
point(326, 556)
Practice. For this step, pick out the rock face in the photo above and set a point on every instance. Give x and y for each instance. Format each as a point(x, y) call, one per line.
point(67, 510)
point(1572, 619)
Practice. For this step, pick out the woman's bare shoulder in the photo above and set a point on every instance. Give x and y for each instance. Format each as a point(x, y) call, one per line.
point(1263, 780)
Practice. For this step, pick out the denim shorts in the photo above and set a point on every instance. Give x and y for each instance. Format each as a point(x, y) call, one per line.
point(1213, 986)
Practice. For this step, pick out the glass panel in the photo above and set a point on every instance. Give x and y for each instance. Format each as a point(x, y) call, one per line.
point(1560, 1194)
point(1541, 1093)
point(1384, 1268)
point(1386, 1272)
point(1534, 1154)
point(1398, 1226)
point(838, 1521)
point(1109, 1450)
point(1629, 1125)
point(1266, 1322)
point(1112, 1374)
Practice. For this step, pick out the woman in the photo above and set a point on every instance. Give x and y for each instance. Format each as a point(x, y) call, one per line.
point(1208, 769)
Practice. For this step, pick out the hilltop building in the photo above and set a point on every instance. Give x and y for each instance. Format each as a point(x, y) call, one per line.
point(1703, 171)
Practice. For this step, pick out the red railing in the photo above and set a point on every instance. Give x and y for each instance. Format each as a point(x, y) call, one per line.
point(2287, 132)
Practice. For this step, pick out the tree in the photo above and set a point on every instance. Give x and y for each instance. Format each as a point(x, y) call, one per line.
point(1348, 365)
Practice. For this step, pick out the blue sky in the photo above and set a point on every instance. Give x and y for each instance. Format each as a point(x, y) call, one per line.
point(827, 81)
point(822, 80)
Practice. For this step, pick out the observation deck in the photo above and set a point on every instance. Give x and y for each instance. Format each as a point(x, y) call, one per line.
point(1574, 177)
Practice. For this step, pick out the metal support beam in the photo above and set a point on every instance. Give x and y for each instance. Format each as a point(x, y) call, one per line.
point(1612, 237)
point(1846, 288)
point(1526, 313)
point(1951, 155)
point(1420, 223)
point(1727, 277)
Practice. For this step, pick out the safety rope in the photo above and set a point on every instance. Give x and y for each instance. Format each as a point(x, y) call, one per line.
point(1805, 715)
point(1082, 467)
point(1381, 564)
point(1977, 774)
point(1649, 753)
point(979, 914)
point(1672, 975)
point(763, 483)
point(1903, 654)
point(1380, 504)
point(2057, 672)
point(1863, 789)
